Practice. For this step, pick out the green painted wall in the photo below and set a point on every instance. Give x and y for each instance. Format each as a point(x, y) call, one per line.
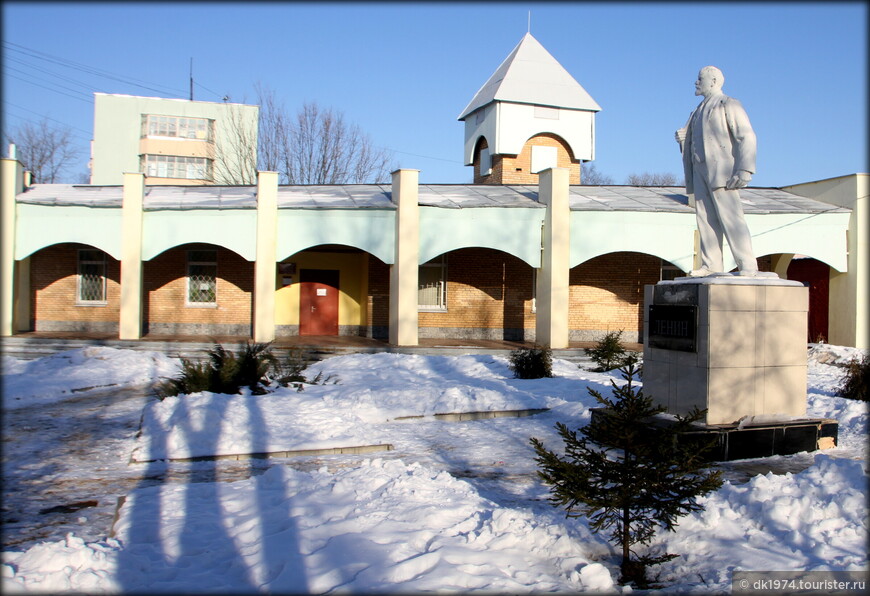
point(234, 229)
point(39, 226)
point(370, 230)
point(516, 231)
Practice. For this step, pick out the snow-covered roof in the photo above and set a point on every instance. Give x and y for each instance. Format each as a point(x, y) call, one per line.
point(674, 199)
point(156, 197)
point(459, 196)
point(449, 196)
point(336, 196)
point(531, 75)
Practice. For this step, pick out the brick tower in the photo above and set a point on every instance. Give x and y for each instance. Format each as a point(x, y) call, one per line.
point(530, 115)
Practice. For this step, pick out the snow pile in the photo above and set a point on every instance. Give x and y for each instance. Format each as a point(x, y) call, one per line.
point(456, 506)
point(55, 377)
point(383, 526)
point(360, 391)
point(825, 377)
point(815, 520)
point(70, 565)
point(838, 355)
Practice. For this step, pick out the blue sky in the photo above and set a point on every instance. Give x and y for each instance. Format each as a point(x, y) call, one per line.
point(404, 71)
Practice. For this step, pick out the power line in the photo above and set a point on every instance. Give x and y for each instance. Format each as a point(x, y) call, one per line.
point(86, 68)
point(79, 139)
point(31, 78)
point(31, 67)
point(107, 74)
point(221, 95)
point(87, 132)
point(91, 70)
point(50, 89)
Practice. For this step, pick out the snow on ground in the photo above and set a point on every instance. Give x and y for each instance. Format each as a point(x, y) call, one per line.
point(55, 377)
point(362, 391)
point(453, 506)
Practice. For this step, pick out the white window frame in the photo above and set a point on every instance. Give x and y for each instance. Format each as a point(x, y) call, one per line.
point(80, 262)
point(441, 306)
point(177, 167)
point(159, 126)
point(200, 263)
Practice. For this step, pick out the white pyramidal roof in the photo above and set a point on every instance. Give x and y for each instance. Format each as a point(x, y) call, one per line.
point(531, 75)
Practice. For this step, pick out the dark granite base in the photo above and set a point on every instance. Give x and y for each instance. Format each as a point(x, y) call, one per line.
point(763, 439)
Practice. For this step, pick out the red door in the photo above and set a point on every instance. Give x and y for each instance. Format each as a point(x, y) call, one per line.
point(318, 302)
point(816, 275)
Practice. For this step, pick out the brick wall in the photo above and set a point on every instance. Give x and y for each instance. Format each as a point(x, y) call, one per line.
point(53, 286)
point(165, 303)
point(517, 169)
point(606, 294)
point(485, 289)
point(489, 291)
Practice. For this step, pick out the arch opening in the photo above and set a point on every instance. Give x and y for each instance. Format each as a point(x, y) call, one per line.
point(72, 286)
point(332, 289)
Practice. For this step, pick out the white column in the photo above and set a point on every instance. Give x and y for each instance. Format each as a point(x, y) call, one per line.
point(130, 326)
point(12, 177)
point(264, 266)
point(405, 269)
point(551, 321)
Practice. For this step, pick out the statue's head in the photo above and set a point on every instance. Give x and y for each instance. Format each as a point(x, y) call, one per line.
point(710, 80)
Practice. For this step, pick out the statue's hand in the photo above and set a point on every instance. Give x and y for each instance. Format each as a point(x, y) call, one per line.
point(680, 135)
point(739, 180)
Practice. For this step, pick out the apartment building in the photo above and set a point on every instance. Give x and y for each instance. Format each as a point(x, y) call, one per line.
point(173, 141)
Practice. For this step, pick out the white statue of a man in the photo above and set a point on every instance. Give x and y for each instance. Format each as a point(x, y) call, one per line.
point(718, 146)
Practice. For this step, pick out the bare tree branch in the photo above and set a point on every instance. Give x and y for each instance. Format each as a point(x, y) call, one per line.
point(44, 149)
point(656, 179)
point(590, 176)
point(235, 149)
point(273, 142)
point(317, 146)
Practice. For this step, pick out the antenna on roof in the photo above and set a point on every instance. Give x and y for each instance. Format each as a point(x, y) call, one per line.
point(530, 22)
point(191, 78)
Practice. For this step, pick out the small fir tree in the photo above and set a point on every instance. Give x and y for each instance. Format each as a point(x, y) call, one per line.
point(609, 353)
point(532, 363)
point(627, 477)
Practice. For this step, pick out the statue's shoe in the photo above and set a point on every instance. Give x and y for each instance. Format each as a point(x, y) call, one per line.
point(702, 272)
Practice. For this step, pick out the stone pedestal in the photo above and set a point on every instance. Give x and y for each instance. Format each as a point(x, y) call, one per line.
point(734, 346)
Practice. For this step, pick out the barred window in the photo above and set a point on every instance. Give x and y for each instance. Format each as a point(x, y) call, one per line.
point(432, 289)
point(177, 166)
point(177, 127)
point(91, 278)
point(201, 277)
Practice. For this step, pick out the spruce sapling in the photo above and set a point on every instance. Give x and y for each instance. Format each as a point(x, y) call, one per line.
point(626, 476)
